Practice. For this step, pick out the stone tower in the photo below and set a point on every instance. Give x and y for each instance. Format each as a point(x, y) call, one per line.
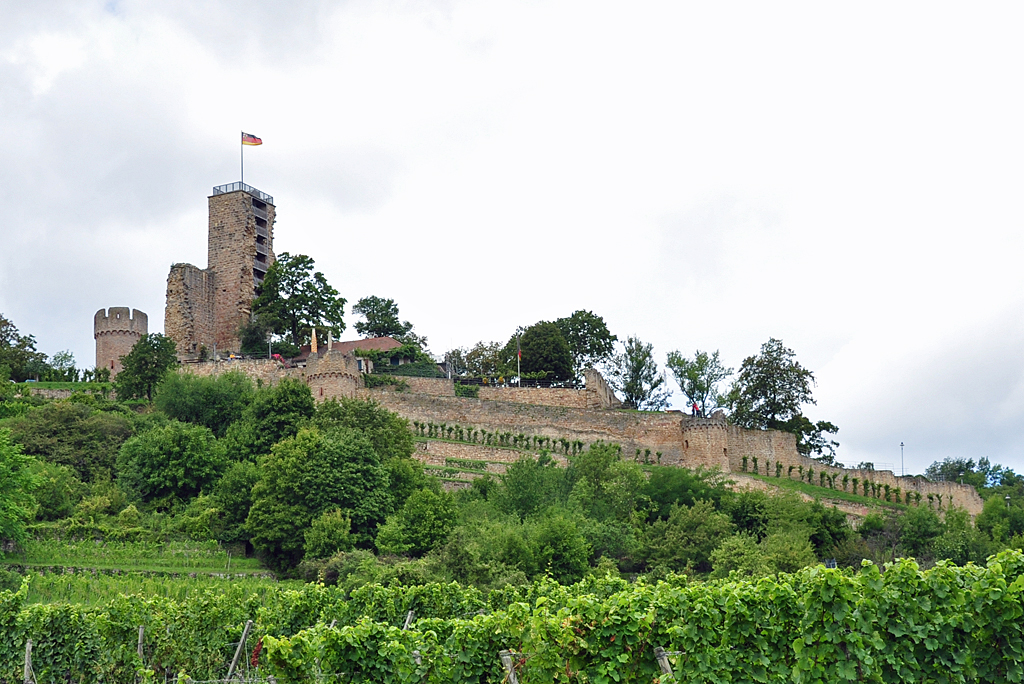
point(116, 331)
point(205, 307)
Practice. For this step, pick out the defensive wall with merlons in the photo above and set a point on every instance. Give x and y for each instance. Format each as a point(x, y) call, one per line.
point(584, 415)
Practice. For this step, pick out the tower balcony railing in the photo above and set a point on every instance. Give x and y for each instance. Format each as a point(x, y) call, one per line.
point(235, 187)
point(260, 265)
point(261, 249)
point(260, 230)
point(262, 213)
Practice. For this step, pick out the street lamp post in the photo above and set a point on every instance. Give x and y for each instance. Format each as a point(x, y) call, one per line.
point(903, 471)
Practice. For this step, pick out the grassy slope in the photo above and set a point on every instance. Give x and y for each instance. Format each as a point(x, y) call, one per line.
point(191, 557)
point(824, 492)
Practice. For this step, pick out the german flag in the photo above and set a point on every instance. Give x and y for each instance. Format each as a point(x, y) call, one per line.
point(250, 139)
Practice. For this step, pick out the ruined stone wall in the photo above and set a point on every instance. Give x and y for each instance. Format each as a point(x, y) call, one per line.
point(633, 430)
point(597, 395)
point(268, 371)
point(188, 314)
point(539, 396)
point(116, 331)
point(437, 387)
point(435, 452)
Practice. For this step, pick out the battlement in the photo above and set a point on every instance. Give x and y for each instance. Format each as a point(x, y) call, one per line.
point(120, 319)
point(116, 330)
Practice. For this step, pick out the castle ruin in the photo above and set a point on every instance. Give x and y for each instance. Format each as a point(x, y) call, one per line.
point(116, 331)
point(206, 307)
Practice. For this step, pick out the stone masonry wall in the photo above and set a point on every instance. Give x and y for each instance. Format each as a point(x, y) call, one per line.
point(682, 440)
point(231, 252)
point(116, 331)
point(597, 395)
point(188, 314)
point(633, 430)
point(539, 396)
point(438, 387)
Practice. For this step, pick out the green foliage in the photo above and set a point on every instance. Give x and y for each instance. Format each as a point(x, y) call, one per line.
point(388, 432)
point(768, 394)
point(145, 366)
point(169, 463)
point(275, 413)
point(372, 381)
point(668, 485)
point(308, 474)
point(770, 388)
point(634, 373)
point(18, 352)
point(58, 490)
point(328, 534)
point(561, 549)
point(233, 498)
point(544, 350)
point(687, 538)
point(213, 402)
point(72, 434)
point(294, 299)
point(424, 522)
point(17, 505)
point(381, 318)
point(699, 379)
point(470, 391)
point(590, 342)
point(530, 485)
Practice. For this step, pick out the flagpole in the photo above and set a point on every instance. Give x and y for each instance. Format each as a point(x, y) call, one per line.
point(241, 155)
point(519, 361)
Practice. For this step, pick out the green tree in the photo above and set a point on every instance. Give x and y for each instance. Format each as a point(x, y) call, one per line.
point(214, 402)
point(62, 368)
point(58, 490)
point(545, 352)
point(295, 299)
point(686, 539)
point(328, 534)
point(310, 473)
point(17, 505)
point(423, 523)
point(634, 373)
point(768, 393)
point(275, 413)
point(72, 434)
point(670, 485)
point(590, 342)
point(530, 485)
point(169, 463)
point(18, 352)
point(560, 548)
point(380, 318)
point(770, 388)
point(699, 379)
point(233, 497)
point(145, 366)
point(388, 432)
point(484, 359)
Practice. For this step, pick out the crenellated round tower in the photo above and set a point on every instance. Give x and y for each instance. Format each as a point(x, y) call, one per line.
point(116, 331)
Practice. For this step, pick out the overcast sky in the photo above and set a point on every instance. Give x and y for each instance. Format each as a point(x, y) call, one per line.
point(846, 178)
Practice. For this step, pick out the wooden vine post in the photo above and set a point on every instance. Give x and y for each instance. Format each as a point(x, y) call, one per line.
point(506, 661)
point(238, 651)
point(663, 664)
point(28, 661)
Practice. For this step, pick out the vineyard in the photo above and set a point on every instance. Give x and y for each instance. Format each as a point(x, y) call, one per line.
point(897, 624)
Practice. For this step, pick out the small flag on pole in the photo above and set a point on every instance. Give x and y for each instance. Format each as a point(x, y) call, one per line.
point(250, 139)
